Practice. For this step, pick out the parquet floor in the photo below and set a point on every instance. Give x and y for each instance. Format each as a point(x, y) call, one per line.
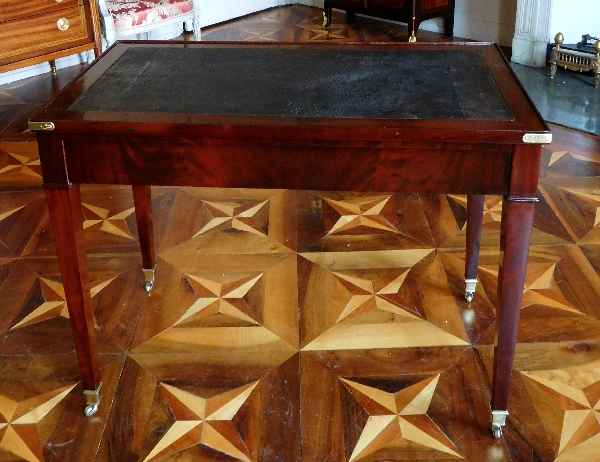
point(300, 326)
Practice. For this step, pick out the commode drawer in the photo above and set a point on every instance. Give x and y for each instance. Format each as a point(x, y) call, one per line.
point(48, 32)
point(16, 9)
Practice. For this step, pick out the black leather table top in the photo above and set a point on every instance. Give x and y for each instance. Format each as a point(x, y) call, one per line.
point(299, 82)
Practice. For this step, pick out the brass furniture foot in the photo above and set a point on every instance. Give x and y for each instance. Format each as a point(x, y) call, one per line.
point(92, 398)
point(498, 421)
point(149, 279)
point(470, 285)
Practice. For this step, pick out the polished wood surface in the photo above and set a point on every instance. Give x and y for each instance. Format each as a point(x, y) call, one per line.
point(555, 374)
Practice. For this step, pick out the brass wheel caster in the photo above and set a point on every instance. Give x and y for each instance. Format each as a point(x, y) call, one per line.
point(498, 421)
point(497, 431)
point(92, 400)
point(470, 285)
point(90, 410)
point(325, 19)
point(148, 286)
point(148, 279)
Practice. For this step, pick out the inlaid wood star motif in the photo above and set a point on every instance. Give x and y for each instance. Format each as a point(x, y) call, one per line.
point(8, 213)
point(243, 216)
point(16, 163)
point(373, 293)
point(19, 434)
point(111, 224)
point(205, 421)
point(590, 198)
point(274, 17)
point(558, 155)
point(260, 35)
point(568, 403)
point(8, 99)
point(54, 304)
point(492, 208)
point(540, 288)
point(360, 212)
point(320, 33)
point(399, 420)
point(364, 313)
point(225, 296)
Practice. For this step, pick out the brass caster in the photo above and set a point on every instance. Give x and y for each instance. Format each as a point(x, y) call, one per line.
point(148, 279)
point(148, 286)
point(498, 421)
point(470, 285)
point(92, 400)
point(497, 431)
point(90, 410)
point(412, 38)
point(325, 19)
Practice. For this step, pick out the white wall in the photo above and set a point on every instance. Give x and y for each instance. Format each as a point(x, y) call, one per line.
point(575, 18)
point(486, 20)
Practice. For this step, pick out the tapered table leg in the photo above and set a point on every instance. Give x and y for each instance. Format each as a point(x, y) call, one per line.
point(142, 198)
point(67, 224)
point(517, 220)
point(475, 204)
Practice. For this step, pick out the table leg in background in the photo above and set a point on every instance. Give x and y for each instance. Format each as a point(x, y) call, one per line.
point(326, 14)
point(66, 217)
point(475, 203)
point(142, 198)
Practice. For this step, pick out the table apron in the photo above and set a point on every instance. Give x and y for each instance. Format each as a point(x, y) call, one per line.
point(332, 166)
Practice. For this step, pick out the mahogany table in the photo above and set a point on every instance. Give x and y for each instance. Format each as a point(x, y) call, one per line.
point(423, 118)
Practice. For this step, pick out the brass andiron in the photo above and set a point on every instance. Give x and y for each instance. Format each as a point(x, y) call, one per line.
point(575, 60)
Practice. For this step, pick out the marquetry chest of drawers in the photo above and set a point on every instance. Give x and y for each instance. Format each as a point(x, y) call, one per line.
point(412, 12)
point(35, 31)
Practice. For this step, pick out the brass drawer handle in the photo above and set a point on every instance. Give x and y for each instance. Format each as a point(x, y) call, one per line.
point(58, 1)
point(62, 24)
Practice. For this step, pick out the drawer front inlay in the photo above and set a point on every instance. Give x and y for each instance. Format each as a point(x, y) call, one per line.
point(16, 9)
point(42, 32)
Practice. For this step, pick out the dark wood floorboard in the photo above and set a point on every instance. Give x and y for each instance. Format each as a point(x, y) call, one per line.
point(297, 326)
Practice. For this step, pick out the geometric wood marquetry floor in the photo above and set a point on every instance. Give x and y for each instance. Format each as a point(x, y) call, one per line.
point(300, 325)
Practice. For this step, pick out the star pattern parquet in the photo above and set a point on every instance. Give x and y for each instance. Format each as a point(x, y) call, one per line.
point(300, 325)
